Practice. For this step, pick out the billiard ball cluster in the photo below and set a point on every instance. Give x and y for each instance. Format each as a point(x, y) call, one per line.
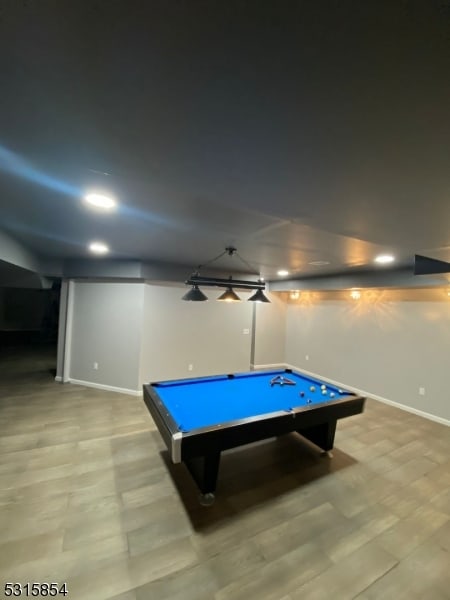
point(323, 389)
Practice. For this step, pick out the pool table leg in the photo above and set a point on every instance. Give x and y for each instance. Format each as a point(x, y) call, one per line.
point(321, 435)
point(204, 470)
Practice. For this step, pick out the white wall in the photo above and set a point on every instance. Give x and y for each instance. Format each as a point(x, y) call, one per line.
point(270, 332)
point(387, 349)
point(209, 335)
point(106, 328)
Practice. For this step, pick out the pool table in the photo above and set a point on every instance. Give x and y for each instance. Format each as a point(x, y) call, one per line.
point(198, 418)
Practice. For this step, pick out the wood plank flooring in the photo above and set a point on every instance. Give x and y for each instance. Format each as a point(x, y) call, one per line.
point(88, 496)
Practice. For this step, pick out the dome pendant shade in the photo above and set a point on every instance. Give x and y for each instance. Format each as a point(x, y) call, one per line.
point(195, 295)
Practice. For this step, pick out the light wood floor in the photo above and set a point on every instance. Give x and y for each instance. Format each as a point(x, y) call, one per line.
point(88, 497)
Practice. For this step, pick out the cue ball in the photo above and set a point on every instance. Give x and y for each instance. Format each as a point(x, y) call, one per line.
point(302, 394)
point(312, 389)
point(332, 395)
point(340, 391)
point(324, 392)
point(323, 386)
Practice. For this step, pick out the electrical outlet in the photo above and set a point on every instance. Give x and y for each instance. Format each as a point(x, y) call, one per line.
point(421, 391)
point(96, 366)
point(246, 331)
point(190, 367)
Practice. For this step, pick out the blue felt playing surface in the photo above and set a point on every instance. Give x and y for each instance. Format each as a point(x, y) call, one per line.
point(195, 403)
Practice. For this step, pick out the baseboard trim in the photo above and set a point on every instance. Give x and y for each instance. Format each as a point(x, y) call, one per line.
point(410, 409)
point(270, 366)
point(108, 388)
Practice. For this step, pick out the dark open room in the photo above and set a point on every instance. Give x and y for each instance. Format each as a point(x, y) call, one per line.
point(225, 299)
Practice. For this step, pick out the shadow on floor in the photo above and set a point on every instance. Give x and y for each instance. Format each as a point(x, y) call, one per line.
point(255, 475)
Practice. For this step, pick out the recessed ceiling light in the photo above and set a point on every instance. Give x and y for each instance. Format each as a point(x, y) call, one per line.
point(98, 248)
point(319, 263)
point(384, 259)
point(100, 201)
point(282, 273)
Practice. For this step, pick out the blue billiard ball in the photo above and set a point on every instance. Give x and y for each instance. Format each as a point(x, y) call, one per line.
point(302, 394)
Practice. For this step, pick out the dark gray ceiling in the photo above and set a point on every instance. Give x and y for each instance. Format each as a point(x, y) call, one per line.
point(297, 131)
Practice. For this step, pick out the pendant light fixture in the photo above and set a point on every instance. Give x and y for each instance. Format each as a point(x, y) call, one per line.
point(195, 280)
point(195, 295)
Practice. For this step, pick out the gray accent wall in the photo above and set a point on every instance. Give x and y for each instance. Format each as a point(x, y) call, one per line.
point(207, 335)
point(139, 333)
point(388, 349)
point(270, 331)
point(106, 329)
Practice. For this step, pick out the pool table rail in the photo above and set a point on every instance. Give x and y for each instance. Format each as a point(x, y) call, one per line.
point(165, 423)
point(250, 429)
point(305, 419)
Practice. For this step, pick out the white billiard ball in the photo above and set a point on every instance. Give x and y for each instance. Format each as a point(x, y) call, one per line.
point(323, 387)
point(312, 389)
point(324, 392)
point(340, 391)
point(332, 395)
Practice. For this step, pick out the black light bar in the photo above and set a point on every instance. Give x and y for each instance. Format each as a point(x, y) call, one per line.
point(226, 283)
